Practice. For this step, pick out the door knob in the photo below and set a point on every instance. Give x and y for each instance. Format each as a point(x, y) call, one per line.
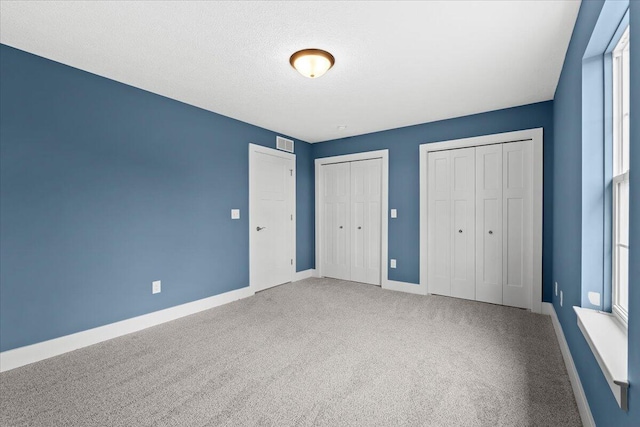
point(459, 231)
point(359, 228)
point(340, 226)
point(260, 228)
point(490, 232)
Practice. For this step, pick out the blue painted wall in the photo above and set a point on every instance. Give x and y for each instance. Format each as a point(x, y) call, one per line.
point(404, 171)
point(105, 188)
point(569, 243)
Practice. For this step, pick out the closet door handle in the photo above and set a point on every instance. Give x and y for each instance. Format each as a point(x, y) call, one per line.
point(341, 227)
point(459, 231)
point(490, 232)
point(359, 228)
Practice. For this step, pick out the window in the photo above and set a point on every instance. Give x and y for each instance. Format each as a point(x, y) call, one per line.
point(620, 235)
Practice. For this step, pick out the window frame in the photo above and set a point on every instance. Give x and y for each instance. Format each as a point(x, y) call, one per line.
point(620, 169)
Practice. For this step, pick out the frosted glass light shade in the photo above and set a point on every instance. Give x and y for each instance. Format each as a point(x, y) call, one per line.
point(312, 63)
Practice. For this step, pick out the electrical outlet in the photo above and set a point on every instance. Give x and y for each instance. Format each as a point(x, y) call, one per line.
point(394, 213)
point(156, 287)
point(393, 263)
point(560, 298)
point(556, 288)
point(235, 213)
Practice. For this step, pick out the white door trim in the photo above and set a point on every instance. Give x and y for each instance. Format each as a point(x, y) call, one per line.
point(384, 233)
point(253, 150)
point(536, 138)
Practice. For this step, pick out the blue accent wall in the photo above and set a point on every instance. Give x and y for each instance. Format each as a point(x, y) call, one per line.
point(404, 174)
point(105, 188)
point(571, 239)
point(306, 202)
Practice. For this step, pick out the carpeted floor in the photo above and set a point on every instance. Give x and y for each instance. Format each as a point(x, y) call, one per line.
point(314, 352)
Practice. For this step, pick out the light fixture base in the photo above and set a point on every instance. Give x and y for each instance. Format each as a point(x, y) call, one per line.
point(312, 63)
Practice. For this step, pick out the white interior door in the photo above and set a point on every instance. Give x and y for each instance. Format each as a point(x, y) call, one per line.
point(463, 207)
point(271, 217)
point(489, 244)
point(336, 217)
point(517, 240)
point(439, 222)
point(366, 186)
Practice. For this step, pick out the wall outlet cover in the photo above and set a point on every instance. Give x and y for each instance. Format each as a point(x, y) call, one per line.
point(235, 213)
point(594, 298)
point(156, 287)
point(394, 213)
point(393, 263)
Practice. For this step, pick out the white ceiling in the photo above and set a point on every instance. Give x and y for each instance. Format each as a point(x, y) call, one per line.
point(397, 63)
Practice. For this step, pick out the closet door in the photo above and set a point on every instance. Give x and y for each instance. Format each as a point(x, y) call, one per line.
point(439, 222)
point(489, 209)
point(335, 211)
point(463, 206)
point(366, 190)
point(517, 240)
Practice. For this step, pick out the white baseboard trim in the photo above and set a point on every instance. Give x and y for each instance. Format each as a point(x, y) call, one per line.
point(576, 384)
point(409, 288)
point(21, 356)
point(304, 274)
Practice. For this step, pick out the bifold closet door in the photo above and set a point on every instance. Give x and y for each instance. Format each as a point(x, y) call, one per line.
point(439, 222)
point(489, 243)
point(351, 215)
point(366, 191)
point(451, 224)
point(480, 223)
point(336, 217)
point(517, 239)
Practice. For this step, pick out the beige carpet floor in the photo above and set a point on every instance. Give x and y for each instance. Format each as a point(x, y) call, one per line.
point(315, 352)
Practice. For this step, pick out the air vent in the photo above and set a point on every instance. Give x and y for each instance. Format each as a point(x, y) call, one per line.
point(284, 144)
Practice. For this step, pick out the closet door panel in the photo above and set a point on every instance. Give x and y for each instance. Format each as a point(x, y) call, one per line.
point(489, 243)
point(336, 216)
point(373, 228)
point(366, 220)
point(517, 239)
point(439, 222)
point(463, 227)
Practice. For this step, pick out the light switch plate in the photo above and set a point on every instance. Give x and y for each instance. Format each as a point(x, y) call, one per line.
point(235, 213)
point(394, 213)
point(156, 287)
point(393, 263)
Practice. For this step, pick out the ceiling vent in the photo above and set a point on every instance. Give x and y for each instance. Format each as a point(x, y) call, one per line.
point(284, 144)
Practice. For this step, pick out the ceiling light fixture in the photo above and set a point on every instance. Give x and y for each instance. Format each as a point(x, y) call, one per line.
point(312, 63)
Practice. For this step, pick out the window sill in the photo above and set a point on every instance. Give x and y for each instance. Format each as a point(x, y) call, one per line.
point(608, 340)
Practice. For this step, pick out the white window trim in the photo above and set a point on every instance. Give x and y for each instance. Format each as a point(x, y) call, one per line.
point(621, 314)
point(619, 175)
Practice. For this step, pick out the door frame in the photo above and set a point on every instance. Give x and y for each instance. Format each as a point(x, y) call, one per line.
point(384, 206)
point(254, 149)
point(535, 136)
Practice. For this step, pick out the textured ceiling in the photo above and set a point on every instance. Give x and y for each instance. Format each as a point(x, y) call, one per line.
point(397, 63)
